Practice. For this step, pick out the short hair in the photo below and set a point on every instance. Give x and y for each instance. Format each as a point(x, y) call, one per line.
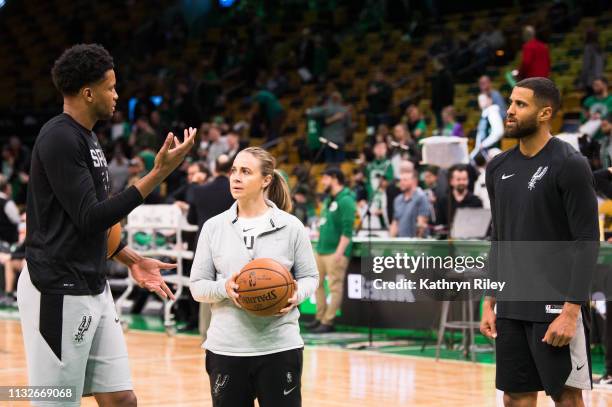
point(223, 164)
point(457, 168)
point(544, 90)
point(432, 169)
point(601, 78)
point(80, 65)
point(336, 173)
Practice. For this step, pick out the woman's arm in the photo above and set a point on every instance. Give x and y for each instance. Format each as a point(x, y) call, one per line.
point(305, 267)
point(203, 284)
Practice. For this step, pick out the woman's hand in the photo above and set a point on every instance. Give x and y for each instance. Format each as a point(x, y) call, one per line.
point(231, 286)
point(291, 303)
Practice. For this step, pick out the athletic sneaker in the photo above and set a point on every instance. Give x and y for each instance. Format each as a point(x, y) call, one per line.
point(604, 381)
point(8, 300)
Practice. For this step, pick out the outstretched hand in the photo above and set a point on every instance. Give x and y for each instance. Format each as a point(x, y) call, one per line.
point(169, 158)
point(146, 273)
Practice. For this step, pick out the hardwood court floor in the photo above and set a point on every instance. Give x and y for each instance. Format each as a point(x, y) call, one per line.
point(170, 372)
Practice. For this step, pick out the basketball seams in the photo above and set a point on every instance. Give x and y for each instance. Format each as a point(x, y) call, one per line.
point(288, 283)
point(266, 288)
point(269, 269)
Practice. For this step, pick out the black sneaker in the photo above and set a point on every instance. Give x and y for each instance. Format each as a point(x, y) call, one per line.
point(323, 329)
point(8, 300)
point(604, 381)
point(312, 324)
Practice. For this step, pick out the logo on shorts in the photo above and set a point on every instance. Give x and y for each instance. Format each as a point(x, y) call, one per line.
point(220, 383)
point(83, 327)
point(289, 378)
point(536, 177)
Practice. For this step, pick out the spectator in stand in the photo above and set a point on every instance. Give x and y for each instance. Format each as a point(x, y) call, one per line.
point(592, 60)
point(450, 126)
point(233, 144)
point(415, 122)
point(120, 129)
point(267, 115)
point(480, 186)
point(333, 249)
point(605, 160)
point(402, 148)
point(595, 108)
point(458, 197)
point(21, 169)
point(378, 169)
point(490, 127)
point(12, 263)
point(216, 146)
point(320, 59)
point(143, 135)
point(442, 89)
point(411, 208)
point(536, 56)
point(485, 85)
point(9, 214)
point(336, 118)
point(358, 185)
point(379, 97)
point(197, 174)
point(118, 170)
point(435, 188)
point(305, 54)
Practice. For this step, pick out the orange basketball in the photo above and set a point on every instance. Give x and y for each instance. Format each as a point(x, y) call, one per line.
point(114, 238)
point(264, 287)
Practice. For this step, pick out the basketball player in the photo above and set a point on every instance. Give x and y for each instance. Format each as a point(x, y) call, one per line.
point(71, 332)
point(248, 356)
point(542, 191)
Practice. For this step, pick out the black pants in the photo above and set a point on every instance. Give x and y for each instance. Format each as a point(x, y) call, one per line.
point(274, 380)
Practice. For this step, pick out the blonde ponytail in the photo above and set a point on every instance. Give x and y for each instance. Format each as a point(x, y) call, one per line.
point(278, 192)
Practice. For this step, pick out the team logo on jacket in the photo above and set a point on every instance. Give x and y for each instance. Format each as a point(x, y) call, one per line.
point(79, 336)
point(541, 171)
point(333, 206)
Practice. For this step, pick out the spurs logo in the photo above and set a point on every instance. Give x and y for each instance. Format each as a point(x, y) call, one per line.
point(252, 279)
point(83, 327)
point(289, 378)
point(220, 383)
point(536, 177)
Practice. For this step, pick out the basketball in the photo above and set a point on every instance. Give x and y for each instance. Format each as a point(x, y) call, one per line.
point(265, 286)
point(114, 238)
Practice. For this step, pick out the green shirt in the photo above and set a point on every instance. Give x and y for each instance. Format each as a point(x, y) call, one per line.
point(374, 171)
point(313, 131)
point(337, 219)
point(269, 104)
point(595, 105)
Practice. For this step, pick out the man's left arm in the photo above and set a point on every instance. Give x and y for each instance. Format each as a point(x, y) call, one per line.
point(576, 184)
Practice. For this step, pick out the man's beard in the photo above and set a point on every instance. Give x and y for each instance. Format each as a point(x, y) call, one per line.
point(460, 188)
point(522, 129)
point(328, 190)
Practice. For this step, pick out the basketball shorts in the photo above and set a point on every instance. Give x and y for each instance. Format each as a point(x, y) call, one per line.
point(72, 340)
point(526, 364)
point(274, 379)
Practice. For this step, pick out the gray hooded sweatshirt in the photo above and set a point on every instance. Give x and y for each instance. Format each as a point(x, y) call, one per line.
point(221, 252)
